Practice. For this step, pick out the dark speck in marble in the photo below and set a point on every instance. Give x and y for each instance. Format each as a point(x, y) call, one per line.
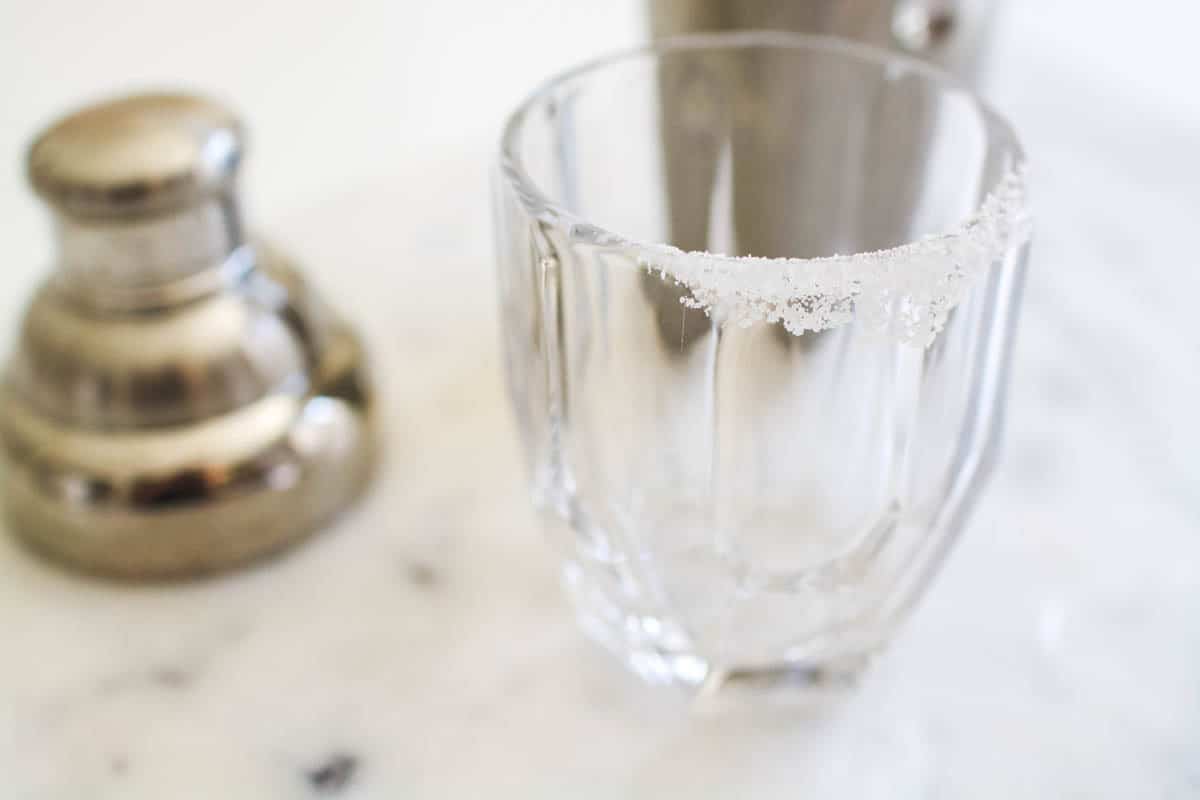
point(119, 765)
point(334, 774)
point(422, 575)
point(171, 677)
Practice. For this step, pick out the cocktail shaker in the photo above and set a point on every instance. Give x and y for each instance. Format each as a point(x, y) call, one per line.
point(949, 33)
point(785, 212)
point(180, 400)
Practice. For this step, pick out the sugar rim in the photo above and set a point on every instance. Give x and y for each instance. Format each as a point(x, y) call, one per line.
point(905, 291)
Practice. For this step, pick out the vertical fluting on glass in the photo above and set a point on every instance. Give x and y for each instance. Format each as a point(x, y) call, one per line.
point(736, 497)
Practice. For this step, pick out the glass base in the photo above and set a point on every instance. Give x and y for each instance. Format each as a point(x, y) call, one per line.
point(660, 653)
point(832, 743)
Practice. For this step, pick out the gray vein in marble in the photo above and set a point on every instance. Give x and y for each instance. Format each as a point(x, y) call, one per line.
point(333, 775)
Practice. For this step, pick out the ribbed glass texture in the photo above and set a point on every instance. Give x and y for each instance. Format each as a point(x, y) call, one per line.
point(756, 493)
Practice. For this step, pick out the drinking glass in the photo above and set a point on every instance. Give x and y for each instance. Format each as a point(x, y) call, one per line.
point(756, 429)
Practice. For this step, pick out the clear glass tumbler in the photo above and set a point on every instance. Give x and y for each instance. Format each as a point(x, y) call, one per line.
point(757, 428)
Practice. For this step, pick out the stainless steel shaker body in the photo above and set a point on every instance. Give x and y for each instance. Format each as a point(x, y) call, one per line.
point(949, 33)
point(782, 172)
point(179, 400)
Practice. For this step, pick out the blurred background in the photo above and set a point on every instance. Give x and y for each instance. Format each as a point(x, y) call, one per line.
point(1058, 655)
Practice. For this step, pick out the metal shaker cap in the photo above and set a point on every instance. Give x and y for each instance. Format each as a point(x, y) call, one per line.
point(137, 156)
point(180, 399)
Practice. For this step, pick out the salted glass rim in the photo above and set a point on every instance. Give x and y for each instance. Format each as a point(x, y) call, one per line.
point(541, 206)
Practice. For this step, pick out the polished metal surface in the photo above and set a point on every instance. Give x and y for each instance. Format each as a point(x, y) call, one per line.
point(139, 155)
point(794, 217)
point(180, 400)
point(950, 33)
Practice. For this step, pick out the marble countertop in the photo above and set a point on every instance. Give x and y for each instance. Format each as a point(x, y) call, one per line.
point(422, 649)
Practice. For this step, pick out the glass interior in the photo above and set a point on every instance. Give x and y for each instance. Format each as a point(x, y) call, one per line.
point(779, 151)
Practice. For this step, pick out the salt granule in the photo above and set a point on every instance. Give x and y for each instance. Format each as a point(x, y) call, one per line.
point(904, 292)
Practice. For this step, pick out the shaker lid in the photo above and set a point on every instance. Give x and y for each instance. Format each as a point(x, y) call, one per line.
point(136, 156)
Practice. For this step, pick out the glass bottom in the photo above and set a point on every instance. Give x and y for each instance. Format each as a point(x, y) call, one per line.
point(837, 728)
point(829, 743)
point(660, 652)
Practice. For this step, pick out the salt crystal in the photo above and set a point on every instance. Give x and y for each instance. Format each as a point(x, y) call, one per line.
point(905, 292)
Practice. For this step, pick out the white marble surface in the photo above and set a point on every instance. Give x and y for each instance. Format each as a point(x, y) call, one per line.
point(422, 649)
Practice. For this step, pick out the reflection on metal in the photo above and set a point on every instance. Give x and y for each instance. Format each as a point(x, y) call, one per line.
point(179, 400)
point(785, 157)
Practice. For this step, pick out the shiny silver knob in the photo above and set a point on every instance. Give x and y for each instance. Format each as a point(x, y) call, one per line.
point(179, 400)
point(137, 157)
point(142, 191)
